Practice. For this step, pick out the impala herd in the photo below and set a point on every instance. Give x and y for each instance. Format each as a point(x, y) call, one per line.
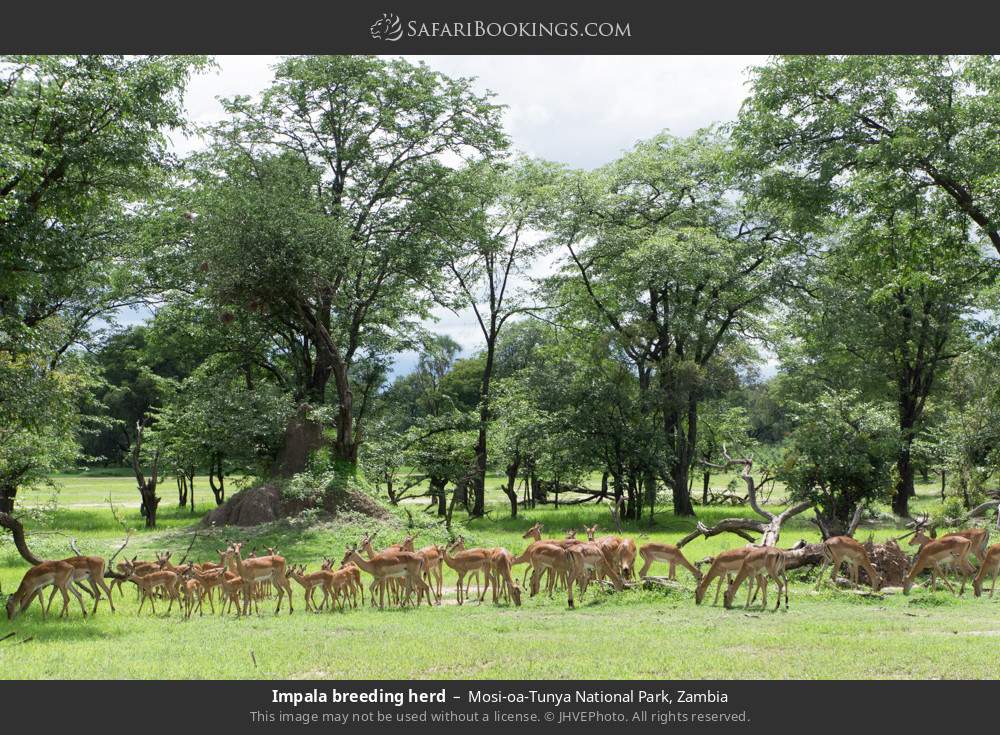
point(400, 570)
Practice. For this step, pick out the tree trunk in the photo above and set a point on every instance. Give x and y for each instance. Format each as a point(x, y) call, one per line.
point(510, 488)
point(182, 493)
point(191, 488)
point(215, 472)
point(905, 488)
point(942, 484)
point(706, 477)
point(479, 482)
point(17, 531)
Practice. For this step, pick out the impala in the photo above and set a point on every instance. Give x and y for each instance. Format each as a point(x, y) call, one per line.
point(840, 549)
point(310, 582)
point(468, 561)
point(57, 573)
point(626, 556)
point(501, 564)
point(557, 561)
point(257, 570)
point(590, 559)
point(669, 553)
point(760, 561)
point(90, 568)
point(353, 576)
point(724, 565)
point(149, 583)
point(978, 537)
point(935, 554)
point(387, 565)
point(535, 533)
point(990, 565)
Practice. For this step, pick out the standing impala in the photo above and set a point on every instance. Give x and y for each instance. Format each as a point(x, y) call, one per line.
point(939, 553)
point(148, 584)
point(257, 570)
point(840, 549)
point(978, 537)
point(389, 565)
point(91, 569)
point(669, 553)
point(468, 561)
point(57, 573)
point(758, 562)
point(557, 561)
point(590, 559)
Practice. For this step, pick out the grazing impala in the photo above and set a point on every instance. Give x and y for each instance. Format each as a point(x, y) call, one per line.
point(56, 573)
point(938, 553)
point(626, 555)
point(725, 564)
point(758, 562)
point(838, 550)
point(990, 566)
point(590, 559)
point(501, 564)
point(257, 570)
point(978, 537)
point(388, 565)
point(669, 553)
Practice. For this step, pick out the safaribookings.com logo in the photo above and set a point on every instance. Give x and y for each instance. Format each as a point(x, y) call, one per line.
point(390, 28)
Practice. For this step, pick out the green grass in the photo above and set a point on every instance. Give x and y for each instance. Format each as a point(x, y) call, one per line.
point(635, 634)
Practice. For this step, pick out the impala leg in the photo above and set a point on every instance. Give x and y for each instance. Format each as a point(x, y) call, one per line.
point(107, 590)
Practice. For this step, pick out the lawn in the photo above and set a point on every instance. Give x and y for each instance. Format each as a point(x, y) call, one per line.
point(635, 634)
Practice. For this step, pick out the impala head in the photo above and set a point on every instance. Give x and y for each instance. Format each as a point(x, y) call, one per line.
point(591, 532)
point(515, 592)
point(407, 543)
point(920, 538)
point(349, 552)
point(571, 534)
point(327, 563)
point(458, 544)
point(534, 532)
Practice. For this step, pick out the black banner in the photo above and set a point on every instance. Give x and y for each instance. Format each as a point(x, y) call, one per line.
point(391, 706)
point(512, 27)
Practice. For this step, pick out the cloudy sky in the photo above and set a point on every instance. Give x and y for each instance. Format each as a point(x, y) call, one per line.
point(579, 110)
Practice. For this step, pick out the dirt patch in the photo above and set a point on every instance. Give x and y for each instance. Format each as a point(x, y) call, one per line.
point(265, 504)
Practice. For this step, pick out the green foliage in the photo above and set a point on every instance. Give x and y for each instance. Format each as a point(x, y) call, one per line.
point(839, 454)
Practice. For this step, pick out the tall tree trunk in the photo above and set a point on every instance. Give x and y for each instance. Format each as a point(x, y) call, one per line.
point(215, 472)
point(479, 482)
point(191, 488)
point(182, 490)
point(705, 479)
point(905, 488)
point(510, 488)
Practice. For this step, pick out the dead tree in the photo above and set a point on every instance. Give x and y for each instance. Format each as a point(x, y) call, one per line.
point(147, 486)
point(769, 528)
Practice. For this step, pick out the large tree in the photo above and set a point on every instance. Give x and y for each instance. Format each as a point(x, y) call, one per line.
point(320, 207)
point(493, 241)
point(666, 252)
point(83, 144)
point(926, 121)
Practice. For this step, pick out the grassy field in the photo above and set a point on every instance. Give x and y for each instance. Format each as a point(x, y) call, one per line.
point(635, 634)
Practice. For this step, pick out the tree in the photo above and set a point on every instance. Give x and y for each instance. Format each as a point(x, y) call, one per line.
point(320, 207)
point(922, 121)
point(885, 306)
point(492, 246)
point(83, 144)
point(839, 457)
point(672, 256)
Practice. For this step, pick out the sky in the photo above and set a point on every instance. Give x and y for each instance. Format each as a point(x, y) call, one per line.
point(583, 111)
